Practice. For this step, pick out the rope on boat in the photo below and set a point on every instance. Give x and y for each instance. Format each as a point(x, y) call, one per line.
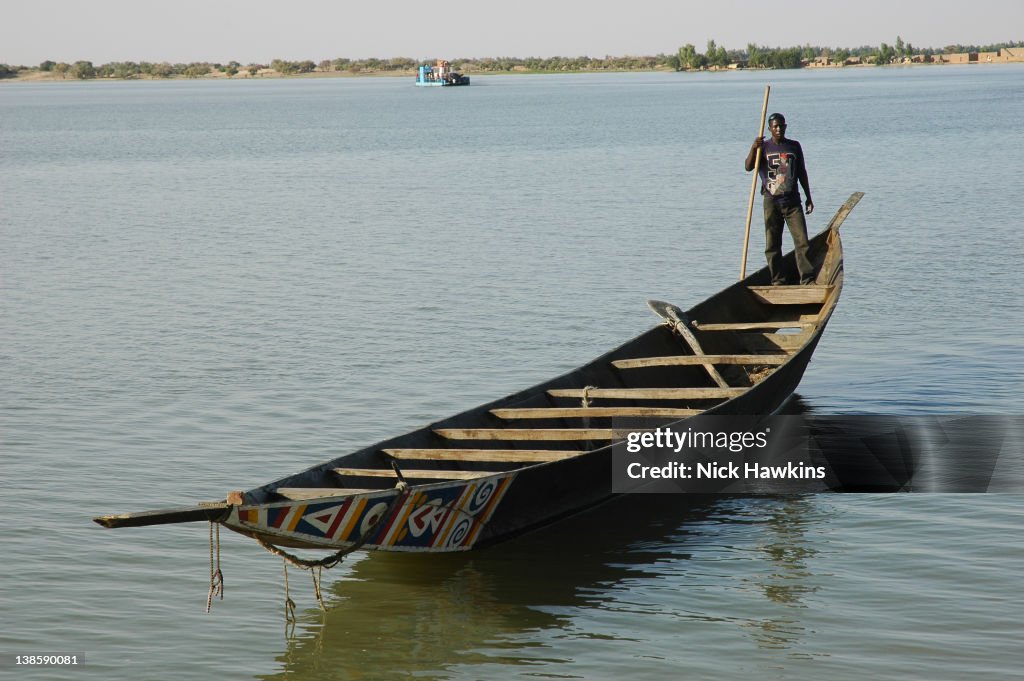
point(216, 576)
point(335, 558)
point(289, 604)
point(316, 567)
point(586, 395)
point(318, 574)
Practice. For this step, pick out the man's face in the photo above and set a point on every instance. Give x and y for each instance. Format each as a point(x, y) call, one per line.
point(778, 129)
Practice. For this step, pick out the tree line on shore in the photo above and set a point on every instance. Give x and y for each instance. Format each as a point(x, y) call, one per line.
point(687, 58)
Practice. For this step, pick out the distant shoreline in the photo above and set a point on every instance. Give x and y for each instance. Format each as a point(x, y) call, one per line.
point(37, 76)
point(687, 58)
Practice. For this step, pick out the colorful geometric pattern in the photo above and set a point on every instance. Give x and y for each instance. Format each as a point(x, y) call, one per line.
point(439, 518)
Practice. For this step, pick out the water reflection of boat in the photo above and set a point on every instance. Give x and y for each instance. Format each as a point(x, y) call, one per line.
point(686, 560)
point(538, 456)
point(417, 615)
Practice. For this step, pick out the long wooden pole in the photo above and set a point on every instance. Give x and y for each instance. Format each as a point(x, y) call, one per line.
point(753, 184)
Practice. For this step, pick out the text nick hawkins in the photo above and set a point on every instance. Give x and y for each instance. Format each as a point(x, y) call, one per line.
point(729, 471)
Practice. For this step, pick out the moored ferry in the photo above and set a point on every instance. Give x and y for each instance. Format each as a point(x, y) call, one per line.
point(440, 74)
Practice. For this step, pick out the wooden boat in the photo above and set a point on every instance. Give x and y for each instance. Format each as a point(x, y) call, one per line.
point(544, 453)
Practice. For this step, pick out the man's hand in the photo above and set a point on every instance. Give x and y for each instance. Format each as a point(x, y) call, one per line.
point(752, 155)
point(809, 205)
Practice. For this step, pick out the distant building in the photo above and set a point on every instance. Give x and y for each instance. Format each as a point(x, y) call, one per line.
point(818, 62)
point(1006, 54)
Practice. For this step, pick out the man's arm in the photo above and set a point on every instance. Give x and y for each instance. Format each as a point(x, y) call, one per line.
point(805, 183)
point(755, 149)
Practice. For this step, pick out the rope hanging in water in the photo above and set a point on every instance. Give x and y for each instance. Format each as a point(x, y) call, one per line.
point(316, 567)
point(289, 604)
point(216, 576)
point(318, 574)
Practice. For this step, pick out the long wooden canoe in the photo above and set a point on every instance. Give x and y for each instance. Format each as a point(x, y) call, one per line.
point(544, 453)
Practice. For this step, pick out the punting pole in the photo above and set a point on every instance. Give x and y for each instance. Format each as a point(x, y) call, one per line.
point(753, 184)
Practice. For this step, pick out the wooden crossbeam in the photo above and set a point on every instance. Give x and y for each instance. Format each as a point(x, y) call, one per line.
point(750, 326)
point(431, 475)
point(650, 393)
point(588, 412)
point(689, 360)
point(790, 295)
point(528, 433)
point(497, 455)
point(772, 342)
point(300, 493)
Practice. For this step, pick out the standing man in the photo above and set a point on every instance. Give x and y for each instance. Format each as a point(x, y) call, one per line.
point(782, 165)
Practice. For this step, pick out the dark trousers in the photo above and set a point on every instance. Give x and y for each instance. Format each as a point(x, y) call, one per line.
point(774, 216)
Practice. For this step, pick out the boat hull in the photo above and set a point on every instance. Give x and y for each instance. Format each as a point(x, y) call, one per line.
point(464, 80)
point(461, 515)
point(742, 351)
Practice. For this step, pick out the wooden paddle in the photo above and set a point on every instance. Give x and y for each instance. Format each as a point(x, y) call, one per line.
point(753, 184)
point(678, 320)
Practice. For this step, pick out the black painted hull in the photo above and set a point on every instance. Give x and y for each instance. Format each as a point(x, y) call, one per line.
point(349, 501)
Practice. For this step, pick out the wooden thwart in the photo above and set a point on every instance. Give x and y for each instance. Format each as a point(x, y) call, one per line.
point(772, 342)
point(301, 493)
point(588, 412)
point(791, 295)
point(750, 326)
point(690, 360)
point(650, 393)
point(528, 433)
point(497, 455)
point(431, 475)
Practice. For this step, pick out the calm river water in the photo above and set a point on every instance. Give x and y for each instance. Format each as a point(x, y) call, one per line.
point(208, 285)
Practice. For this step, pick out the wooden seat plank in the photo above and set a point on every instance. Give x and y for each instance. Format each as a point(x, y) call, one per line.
point(772, 342)
point(649, 393)
point(589, 412)
point(791, 295)
point(301, 493)
point(428, 474)
point(689, 360)
point(528, 433)
point(750, 326)
point(497, 455)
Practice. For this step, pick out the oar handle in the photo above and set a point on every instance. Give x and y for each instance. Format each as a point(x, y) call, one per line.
point(753, 184)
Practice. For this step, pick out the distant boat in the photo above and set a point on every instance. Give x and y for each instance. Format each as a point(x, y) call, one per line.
point(440, 74)
point(534, 457)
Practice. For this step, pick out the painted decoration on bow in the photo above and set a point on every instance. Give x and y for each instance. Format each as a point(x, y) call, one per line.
point(441, 517)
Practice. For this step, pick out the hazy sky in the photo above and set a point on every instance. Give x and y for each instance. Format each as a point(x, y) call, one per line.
point(260, 30)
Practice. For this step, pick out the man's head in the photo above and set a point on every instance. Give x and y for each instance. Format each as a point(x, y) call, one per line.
point(777, 127)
